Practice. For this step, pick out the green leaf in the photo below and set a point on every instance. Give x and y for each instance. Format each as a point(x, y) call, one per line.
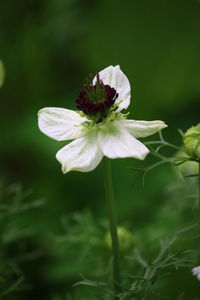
point(192, 175)
point(90, 283)
point(15, 286)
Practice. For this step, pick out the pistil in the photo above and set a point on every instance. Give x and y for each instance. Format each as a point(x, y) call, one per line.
point(96, 100)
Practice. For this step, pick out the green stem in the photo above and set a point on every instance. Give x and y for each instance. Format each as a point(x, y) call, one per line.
point(113, 222)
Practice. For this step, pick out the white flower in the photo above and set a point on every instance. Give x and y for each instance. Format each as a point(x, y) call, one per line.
point(196, 272)
point(98, 127)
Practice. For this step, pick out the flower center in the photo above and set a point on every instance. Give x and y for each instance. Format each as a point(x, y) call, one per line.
point(96, 100)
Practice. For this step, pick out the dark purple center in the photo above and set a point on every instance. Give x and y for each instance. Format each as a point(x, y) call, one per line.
point(96, 100)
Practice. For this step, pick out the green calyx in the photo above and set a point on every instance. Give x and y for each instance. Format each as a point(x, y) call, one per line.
point(191, 142)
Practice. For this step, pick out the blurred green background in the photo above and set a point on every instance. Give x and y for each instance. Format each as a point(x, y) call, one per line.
point(48, 48)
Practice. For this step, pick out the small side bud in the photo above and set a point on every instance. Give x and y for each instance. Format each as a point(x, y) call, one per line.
point(2, 73)
point(191, 142)
point(126, 239)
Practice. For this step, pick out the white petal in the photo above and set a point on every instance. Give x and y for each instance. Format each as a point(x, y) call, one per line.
point(60, 124)
point(143, 128)
point(83, 154)
point(116, 141)
point(114, 77)
point(196, 271)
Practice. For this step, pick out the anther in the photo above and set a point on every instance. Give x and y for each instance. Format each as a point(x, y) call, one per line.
point(96, 100)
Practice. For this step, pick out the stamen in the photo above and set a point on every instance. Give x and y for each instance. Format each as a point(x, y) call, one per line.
point(96, 100)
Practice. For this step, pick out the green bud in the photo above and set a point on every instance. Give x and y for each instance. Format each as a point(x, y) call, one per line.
point(188, 167)
point(125, 239)
point(191, 142)
point(2, 73)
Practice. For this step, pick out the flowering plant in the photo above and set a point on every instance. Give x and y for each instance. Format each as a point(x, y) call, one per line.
point(98, 127)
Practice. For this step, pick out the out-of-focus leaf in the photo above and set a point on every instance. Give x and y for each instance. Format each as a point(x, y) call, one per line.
point(2, 73)
point(90, 283)
point(13, 287)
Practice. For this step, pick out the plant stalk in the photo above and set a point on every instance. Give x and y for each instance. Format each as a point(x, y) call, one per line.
point(113, 223)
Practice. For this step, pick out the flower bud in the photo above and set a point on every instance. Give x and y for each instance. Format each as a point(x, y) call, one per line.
point(2, 73)
point(191, 142)
point(188, 167)
point(125, 239)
